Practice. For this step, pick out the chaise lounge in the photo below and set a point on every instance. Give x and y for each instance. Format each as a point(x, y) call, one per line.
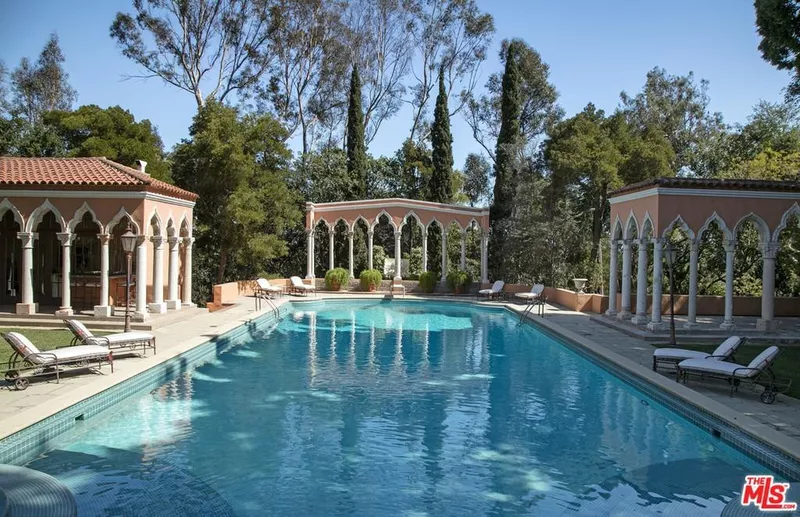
point(493, 292)
point(672, 356)
point(125, 341)
point(264, 288)
point(299, 287)
point(29, 359)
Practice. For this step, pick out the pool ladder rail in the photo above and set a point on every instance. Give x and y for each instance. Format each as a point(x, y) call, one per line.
point(265, 297)
point(539, 302)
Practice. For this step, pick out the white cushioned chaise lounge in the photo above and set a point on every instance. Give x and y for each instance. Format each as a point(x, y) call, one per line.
point(493, 291)
point(672, 356)
point(299, 287)
point(121, 341)
point(758, 371)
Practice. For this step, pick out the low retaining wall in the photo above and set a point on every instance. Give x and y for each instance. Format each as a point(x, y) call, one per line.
point(226, 294)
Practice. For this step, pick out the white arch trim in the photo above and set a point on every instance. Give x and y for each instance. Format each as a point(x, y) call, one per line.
point(761, 226)
point(160, 227)
point(117, 218)
point(720, 222)
point(355, 222)
point(793, 210)
point(616, 229)
point(680, 223)
point(78, 217)
point(647, 220)
point(185, 220)
point(378, 220)
point(324, 223)
point(631, 222)
point(410, 214)
point(41, 210)
point(431, 223)
point(7, 205)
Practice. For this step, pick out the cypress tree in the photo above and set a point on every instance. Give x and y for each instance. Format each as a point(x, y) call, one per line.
point(505, 160)
point(440, 187)
point(356, 149)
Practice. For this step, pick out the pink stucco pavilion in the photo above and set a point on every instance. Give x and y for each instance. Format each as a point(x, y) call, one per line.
point(399, 212)
point(60, 251)
point(643, 215)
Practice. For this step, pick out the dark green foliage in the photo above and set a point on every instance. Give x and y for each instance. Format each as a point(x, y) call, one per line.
point(440, 186)
point(458, 280)
point(356, 148)
point(428, 281)
point(476, 178)
point(416, 169)
point(369, 278)
point(778, 23)
point(336, 278)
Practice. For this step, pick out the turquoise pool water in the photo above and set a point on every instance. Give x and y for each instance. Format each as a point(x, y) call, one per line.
point(396, 408)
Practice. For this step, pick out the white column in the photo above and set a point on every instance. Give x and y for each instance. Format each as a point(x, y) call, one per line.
point(186, 299)
point(310, 251)
point(658, 263)
point(104, 309)
point(641, 284)
point(26, 274)
point(173, 300)
point(398, 270)
point(769, 252)
point(730, 250)
point(444, 254)
point(331, 236)
point(612, 279)
point(625, 310)
point(350, 251)
point(66, 247)
point(141, 279)
point(691, 321)
point(484, 257)
point(424, 249)
point(370, 234)
point(463, 263)
point(158, 306)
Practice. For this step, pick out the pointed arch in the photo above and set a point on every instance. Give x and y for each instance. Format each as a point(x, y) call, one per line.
point(794, 210)
point(378, 220)
point(185, 222)
point(679, 223)
point(119, 217)
point(631, 224)
point(160, 228)
point(760, 224)
point(431, 222)
point(324, 222)
point(616, 232)
point(647, 223)
point(449, 224)
point(410, 214)
point(7, 205)
point(355, 222)
point(715, 218)
point(41, 210)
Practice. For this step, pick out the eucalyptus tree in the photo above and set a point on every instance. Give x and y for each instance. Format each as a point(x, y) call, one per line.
point(778, 23)
point(476, 178)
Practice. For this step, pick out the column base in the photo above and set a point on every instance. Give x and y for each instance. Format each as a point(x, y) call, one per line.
point(174, 305)
point(640, 319)
point(64, 311)
point(189, 305)
point(102, 311)
point(766, 325)
point(691, 325)
point(397, 279)
point(27, 308)
point(654, 326)
point(310, 277)
point(139, 316)
point(624, 314)
point(611, 313)
point(728, 325)
point(157, 308)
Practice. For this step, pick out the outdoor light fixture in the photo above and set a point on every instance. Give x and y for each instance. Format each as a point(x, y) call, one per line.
point(670, 253)
point(128, 244)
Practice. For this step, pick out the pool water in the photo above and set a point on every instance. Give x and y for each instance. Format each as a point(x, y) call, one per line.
point(396, 408)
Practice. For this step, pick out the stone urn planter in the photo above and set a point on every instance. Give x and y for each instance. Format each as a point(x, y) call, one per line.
point(579, 284)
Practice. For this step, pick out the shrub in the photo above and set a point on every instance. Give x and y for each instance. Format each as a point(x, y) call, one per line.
point(370, 277)
point(427, 281)
point(457, 280)
point(335, 278)
point(378, 257)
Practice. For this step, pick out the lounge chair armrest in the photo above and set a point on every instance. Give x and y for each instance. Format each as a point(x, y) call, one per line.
point(743, 368)
point(43, 355)
point(717, 356)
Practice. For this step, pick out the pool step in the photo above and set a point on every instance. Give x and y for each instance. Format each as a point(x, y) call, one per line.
point(30, 493)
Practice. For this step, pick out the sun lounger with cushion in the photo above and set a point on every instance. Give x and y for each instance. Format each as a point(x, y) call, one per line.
point(759, 371)
point(673, 356)
point(300, 288)
point(130, 341)
point(492, 292)
point(266, 289)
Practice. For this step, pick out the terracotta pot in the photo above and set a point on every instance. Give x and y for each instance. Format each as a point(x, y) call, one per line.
point(335, 286)
point(372, 287)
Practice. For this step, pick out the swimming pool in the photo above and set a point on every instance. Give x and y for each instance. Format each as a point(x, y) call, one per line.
point(395, 408)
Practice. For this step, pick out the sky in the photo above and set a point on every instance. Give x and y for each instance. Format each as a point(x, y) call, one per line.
point(595, 50)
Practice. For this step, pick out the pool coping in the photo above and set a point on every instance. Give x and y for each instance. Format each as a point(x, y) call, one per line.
point(753, 430)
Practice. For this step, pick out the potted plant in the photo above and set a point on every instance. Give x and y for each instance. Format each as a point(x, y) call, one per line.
point(334, 278)
point(370, 279)
point(459, 281)
point(427, 281)
point(579, 284)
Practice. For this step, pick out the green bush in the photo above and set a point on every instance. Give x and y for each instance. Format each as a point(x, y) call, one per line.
point(370, 277)
point(335, 278)
point(427, 281)
point(458, 280)
point(378, 257)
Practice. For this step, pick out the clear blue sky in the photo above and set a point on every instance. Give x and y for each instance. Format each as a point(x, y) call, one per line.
point(594, 49)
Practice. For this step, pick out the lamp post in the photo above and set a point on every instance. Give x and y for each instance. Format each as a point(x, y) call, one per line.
point(670, 253)
point(128, 244)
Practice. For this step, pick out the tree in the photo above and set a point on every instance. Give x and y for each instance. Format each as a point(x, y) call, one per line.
point(538, 111)
point(506, 159)
point(43, 86)
point(356, 150)
point(678, 107)
point(112, 132)
point(449, 34)
point(440, 186)
point(778, 23)
point(416, 169)
point(476, 178)
point(218, 45)
point(238, 166)
point(322, 176)
point(767, 165)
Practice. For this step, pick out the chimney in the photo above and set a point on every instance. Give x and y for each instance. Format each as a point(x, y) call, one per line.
point(142, 166)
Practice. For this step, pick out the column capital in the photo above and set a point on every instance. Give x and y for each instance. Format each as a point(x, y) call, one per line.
point(188, 241)
point(66, 238)
point(397, 234)
point(729, 245)
point(694, 245)
point(658, 243)
point(350, 234)
point(26, 238)
point(643, 242)
point(157, 240)
point(310, 232)
point(424, 232)
point(370, 232)
point(141, 240)
point(104, 237)
point(174, 242)
point(769, 250)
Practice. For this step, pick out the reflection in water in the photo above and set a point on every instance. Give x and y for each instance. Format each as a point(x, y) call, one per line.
point(393, 408)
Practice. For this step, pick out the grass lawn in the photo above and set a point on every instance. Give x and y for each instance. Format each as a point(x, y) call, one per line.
point(786, 366)
point(44, 339)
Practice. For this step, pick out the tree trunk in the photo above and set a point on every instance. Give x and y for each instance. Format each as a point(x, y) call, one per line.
point(597, 224)
point(223, 261)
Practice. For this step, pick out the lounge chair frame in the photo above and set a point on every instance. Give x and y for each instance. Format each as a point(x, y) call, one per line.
point(20, 369)
point(293, 289)
point(125, 346)
point(500, 294)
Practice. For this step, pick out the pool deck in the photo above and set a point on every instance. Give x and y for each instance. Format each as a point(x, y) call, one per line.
point(777, 424)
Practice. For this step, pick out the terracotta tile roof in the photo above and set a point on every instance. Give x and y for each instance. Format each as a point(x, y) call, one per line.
point(709, 183)
point(82, 174)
